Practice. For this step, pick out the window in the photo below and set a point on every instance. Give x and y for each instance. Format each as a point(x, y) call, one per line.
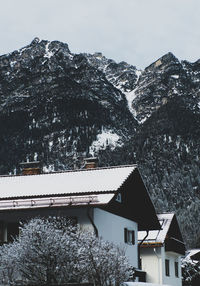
point(2, 230)
point(167, 270)
point(119, 198)
point(12, 231)
point(176, 268)
point(129, 236)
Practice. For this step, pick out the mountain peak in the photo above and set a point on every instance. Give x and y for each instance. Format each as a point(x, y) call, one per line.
point(169, 56)
point(40, 46)
point(162, 61)
point(35, 41)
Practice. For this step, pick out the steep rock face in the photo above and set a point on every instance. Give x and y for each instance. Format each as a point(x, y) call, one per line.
point(121, 75)
point(164, 79)
point(58, 107)
point(54, 104)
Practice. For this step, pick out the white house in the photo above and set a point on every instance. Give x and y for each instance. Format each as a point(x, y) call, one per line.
point(161, 251)
point(113, 202)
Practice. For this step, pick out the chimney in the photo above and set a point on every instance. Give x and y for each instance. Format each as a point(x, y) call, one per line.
point(31, 168)
point(91, 163)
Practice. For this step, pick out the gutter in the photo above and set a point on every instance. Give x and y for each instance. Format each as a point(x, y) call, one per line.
point(92, 222)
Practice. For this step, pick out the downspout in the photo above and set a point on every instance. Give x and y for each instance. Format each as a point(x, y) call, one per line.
point(92, 222)
point(139, 245)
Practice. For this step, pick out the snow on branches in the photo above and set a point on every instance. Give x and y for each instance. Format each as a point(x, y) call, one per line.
point(55, 251)
point(190, 273)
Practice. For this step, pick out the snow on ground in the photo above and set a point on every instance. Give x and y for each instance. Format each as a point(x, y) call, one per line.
point(105, 139)
point(50, 145)
point(12, 63)
point(48, 169)
point(20, 51)
point(175, 91)
point(144, 119)
point(175, 76)
point(35, 156)
point(178, 141)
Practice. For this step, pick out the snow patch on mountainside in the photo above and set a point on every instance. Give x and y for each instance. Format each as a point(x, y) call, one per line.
point(130, 96)
point(48, 54)
point(105, 139)
point(138, 73)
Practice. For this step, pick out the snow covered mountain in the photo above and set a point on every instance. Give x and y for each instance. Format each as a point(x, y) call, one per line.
point(59, 107)
point(55, 105)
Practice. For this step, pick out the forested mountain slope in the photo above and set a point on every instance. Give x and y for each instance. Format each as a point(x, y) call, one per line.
point(59, 107)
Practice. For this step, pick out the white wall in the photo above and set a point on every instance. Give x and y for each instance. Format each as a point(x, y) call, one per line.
point(111, 228)
point(82, 217)
point(153, 263)
point(172, 279)
point(80, 213)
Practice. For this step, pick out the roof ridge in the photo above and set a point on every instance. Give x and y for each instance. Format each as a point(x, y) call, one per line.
point(70, 171)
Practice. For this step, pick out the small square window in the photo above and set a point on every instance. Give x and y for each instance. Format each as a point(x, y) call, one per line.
point(167, 270)
point(119, 198)
point(176, 268)
point(129, 236)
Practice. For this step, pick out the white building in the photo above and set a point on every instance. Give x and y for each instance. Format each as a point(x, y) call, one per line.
point(161, 251)
point(113, 202)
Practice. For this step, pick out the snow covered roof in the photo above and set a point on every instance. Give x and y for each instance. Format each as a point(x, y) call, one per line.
point(192, 254)
point(101, 180)
point(158, 236)
point(83, 187)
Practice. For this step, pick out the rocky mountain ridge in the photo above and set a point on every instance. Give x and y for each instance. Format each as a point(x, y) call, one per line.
point(59, 107)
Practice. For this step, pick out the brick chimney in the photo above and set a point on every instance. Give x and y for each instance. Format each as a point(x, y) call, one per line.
point(31, 168)
point(91, 163)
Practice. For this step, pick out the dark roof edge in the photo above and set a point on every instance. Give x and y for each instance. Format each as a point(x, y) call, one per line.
point(158, 226)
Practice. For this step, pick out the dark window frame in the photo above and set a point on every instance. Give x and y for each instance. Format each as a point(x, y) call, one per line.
point(167, 267)
point(176, 269)
point(129, 236)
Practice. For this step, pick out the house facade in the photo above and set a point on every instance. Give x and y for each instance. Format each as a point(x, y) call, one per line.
point(161, 252)
point(111, 202)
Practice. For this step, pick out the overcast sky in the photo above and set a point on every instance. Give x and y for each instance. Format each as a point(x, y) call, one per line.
point(136, 31)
